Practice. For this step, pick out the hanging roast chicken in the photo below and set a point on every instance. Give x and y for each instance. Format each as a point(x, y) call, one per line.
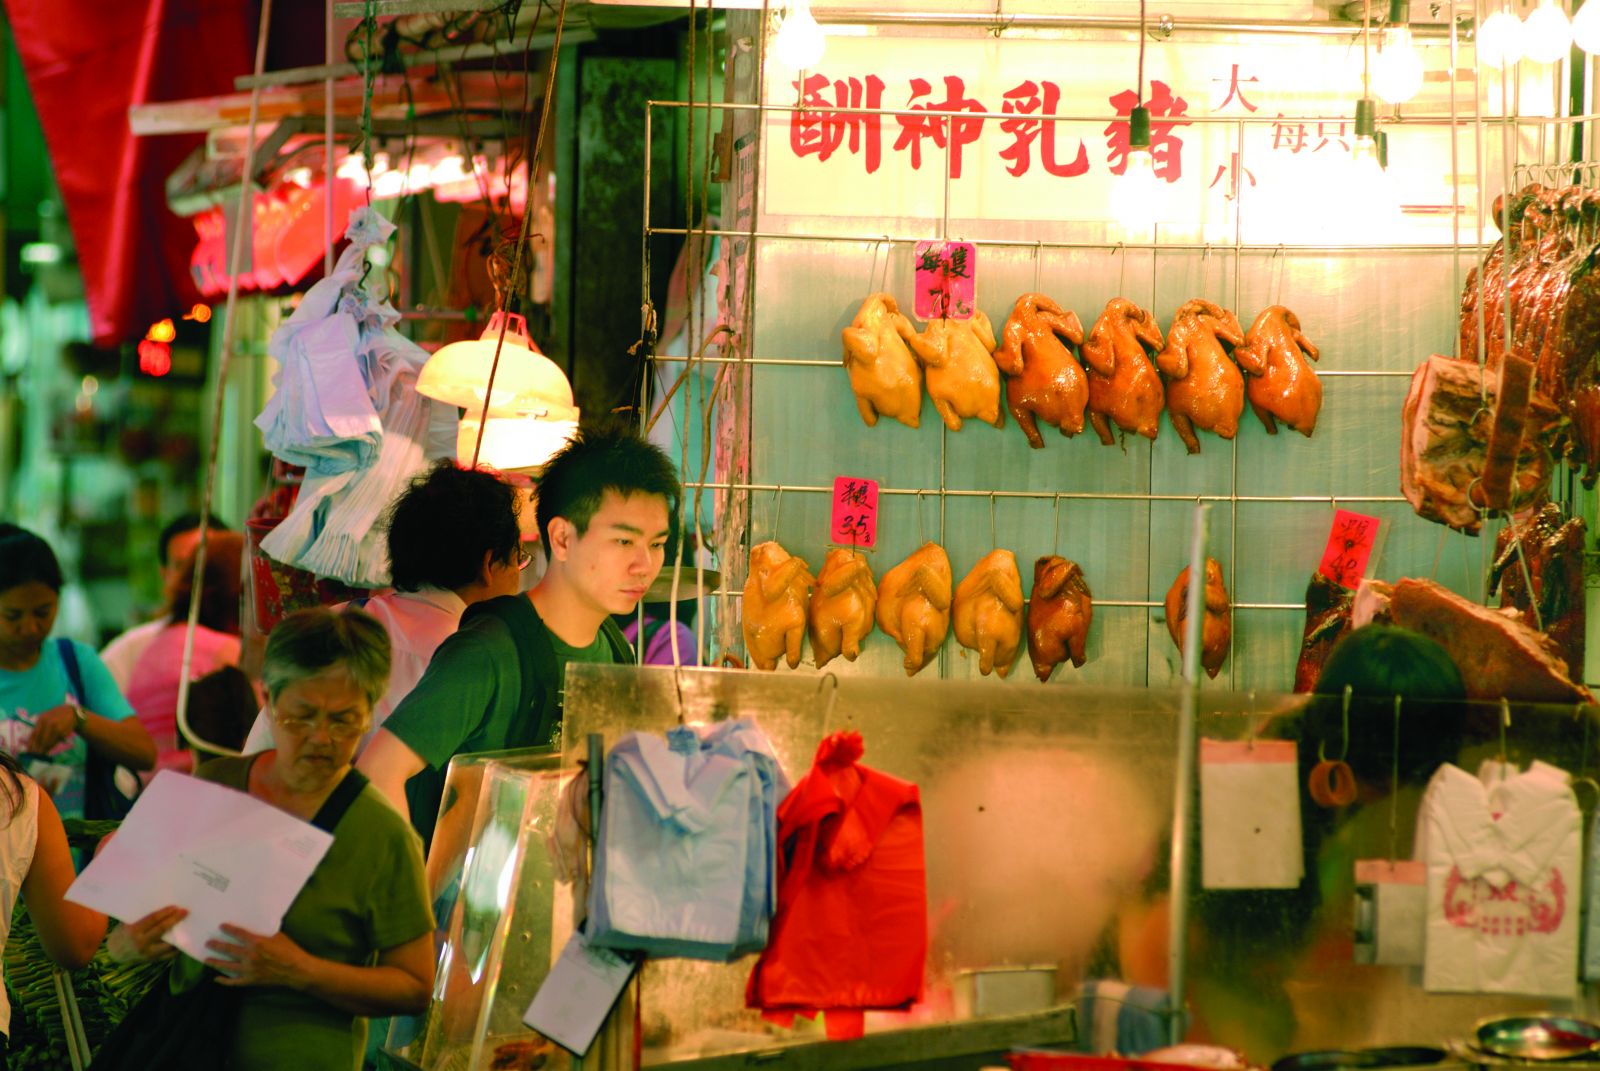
point(1204, 387)
point(1281, 384)
point(842, 607)
point(1123, 384)
point(914, 605)
point(1217, 627)
point(1059, 612)
point(957, 358)
point(987, 613)
point(885, 377)
point(775, 599)
point(1044, 379)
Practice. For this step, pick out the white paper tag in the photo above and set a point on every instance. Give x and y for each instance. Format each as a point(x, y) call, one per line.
point(578, 994)
point(1250, 815)
point(1391, 911)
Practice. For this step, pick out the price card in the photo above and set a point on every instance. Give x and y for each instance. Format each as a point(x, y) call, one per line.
point(1351, 544)
point(947, 280)
point(855, 511)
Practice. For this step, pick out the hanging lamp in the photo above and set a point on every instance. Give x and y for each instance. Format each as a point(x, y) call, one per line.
point(1370, 188)
point(800, 41)
point(1499, 39)
point(1136, 193)
point(1398, 74)
point(1547, 33)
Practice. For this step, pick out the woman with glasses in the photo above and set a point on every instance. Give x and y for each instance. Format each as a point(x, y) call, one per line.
point(357, 940)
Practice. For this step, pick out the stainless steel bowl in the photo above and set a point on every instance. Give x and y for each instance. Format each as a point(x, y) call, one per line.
point(1541, 1036)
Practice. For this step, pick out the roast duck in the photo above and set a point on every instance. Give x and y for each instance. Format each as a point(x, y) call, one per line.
point(1552, 547)
point(1123, 385)
point(1328, 609)
point(914, 605)
point(842, 607)
point(987, 612)
point(957, 357)
point(1059, 612)
point(1044, 381)
point(1281, 385)
point(885, 377)
point(775, 600)
point(1554, 293)
point(1204, 387)
point(1217, 627)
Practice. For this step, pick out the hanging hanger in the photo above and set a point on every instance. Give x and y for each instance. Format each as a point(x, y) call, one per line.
point(828, 677)
point(1331, 782)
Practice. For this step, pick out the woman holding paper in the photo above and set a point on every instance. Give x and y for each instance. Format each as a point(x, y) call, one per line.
point(357, 940)
point(35, 861)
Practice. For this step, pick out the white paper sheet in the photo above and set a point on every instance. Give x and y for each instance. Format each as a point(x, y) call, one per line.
point(579, 992)
point(1250, 815)
point(222, 854)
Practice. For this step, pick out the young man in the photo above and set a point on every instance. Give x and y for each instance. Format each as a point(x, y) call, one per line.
point(174, 548)
point(605, 509)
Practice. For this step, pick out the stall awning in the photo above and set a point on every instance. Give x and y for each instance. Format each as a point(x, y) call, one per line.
point(86, 63)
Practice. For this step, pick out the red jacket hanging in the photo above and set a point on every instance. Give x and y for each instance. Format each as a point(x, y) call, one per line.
point(851, 929)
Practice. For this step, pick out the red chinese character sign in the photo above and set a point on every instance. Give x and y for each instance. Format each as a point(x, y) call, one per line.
point(855, 511)
point(947, 280)
point(1350, 546)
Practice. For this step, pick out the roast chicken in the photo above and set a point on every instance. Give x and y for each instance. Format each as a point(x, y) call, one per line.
point(1044, 379)
point(914, 605)
point(958, 358)
point(885, 377)
point(1281, 384)
point(775, 599)
point(1123, 384)
point(1059, 612)
point(841, 608)
point(988, 612)
point(1217, 627)
point(1204, 387)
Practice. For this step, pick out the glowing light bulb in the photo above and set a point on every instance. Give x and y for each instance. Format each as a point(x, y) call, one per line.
point(800, 42)
point(1500, 39)
point(1586, 28)
point(1137, 195)
point(1397, 74)
point(354, 169)
point(1547, 35)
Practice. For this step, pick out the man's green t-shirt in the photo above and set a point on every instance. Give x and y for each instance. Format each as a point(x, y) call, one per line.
point(468, 702)
point(368, 894)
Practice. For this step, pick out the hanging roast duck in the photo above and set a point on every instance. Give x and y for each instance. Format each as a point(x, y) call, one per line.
point(775, 599)
point(1059, 612)
point(957, 358)
point(987, 613)
point(1044, 379)
point(885, 377)
point(842, 607)
point(1123, 384)
point(914, 605)
point(1217, 627)
point(1281, 384)
point(1204, 387)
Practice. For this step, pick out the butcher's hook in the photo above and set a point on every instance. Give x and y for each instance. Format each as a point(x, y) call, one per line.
point(777, 508)
point(888, 251)
point(833, 697)
point(1322, 745)
point(1250, 736)
point(1121, 250)
point(1283, 266)
point(1205, 270)
point(1038, 252)
point(921, 534)
point(994, 540)
point(1055, 547)
point(1505, 723)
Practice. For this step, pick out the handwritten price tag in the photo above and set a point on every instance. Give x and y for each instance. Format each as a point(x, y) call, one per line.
point(1350, 547)
point(855, 511)
point(947, 280)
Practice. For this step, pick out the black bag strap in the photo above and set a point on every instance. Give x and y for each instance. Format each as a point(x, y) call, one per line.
point(621, 649)
point(339, 800)
point(537, 708)
point(69, 661)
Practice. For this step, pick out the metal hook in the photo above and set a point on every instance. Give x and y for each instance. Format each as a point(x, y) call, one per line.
point(1038, 255)
point(1055, 546)
point(994, 539)
point(1322, 745)
point(833, 697)
point(1505, 723)
point(1250, 738)
point(777, 508)
point(921, 533)
point(887, 254)
point(1205, 270)
point(1121, 250)
point(1283, 267)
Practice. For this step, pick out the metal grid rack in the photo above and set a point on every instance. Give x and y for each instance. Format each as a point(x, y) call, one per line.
point(733, 571)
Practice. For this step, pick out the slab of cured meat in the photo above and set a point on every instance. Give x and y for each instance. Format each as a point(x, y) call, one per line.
point(1552, 546)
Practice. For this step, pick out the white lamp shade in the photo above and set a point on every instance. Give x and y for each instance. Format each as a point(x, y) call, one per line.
point(526, 382)
point(513, 444)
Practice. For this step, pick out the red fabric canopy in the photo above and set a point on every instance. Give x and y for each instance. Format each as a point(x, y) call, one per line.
point(86, 62)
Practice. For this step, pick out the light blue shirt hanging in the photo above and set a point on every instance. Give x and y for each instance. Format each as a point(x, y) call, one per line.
point(684, 861)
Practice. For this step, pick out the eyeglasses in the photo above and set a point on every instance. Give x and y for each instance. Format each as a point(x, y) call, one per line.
point(524, 557)
point(338, 726)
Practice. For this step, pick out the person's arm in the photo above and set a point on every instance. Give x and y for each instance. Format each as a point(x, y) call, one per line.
point(124, 742)
point(400, 984)
point(389, 763)
point(69, 932)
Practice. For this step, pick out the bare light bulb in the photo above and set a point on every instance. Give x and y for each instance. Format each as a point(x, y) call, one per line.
point(799, 43)
point(1586, 28)
point(1397, 74)
point(1136, 195)
point(1547, 34)
point(1500, 39)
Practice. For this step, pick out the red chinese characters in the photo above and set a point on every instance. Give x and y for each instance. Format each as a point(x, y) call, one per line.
point(1165, 147)
point(1026, 99)
point(963, 132)
point(820, 133)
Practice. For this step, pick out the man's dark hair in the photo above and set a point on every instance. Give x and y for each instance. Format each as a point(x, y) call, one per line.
point(183, 522)
point(597, 461)
point(443, 524)
point(26, 558)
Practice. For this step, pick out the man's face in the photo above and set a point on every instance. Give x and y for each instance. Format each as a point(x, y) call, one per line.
point(618, 556)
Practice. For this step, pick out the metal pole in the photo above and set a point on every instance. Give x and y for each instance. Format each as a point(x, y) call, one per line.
point(1184, 787)
point(327, 143)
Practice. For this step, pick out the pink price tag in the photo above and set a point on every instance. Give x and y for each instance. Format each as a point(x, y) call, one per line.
point(947, 280)
point(855, 511)
point(1350, 547)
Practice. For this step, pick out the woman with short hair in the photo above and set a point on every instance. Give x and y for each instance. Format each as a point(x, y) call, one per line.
point(357, 940)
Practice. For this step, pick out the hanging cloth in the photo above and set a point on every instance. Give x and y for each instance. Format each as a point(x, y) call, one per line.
point(851, 931)
point(1502, 851)
point(346, 408)
point(684, 860)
